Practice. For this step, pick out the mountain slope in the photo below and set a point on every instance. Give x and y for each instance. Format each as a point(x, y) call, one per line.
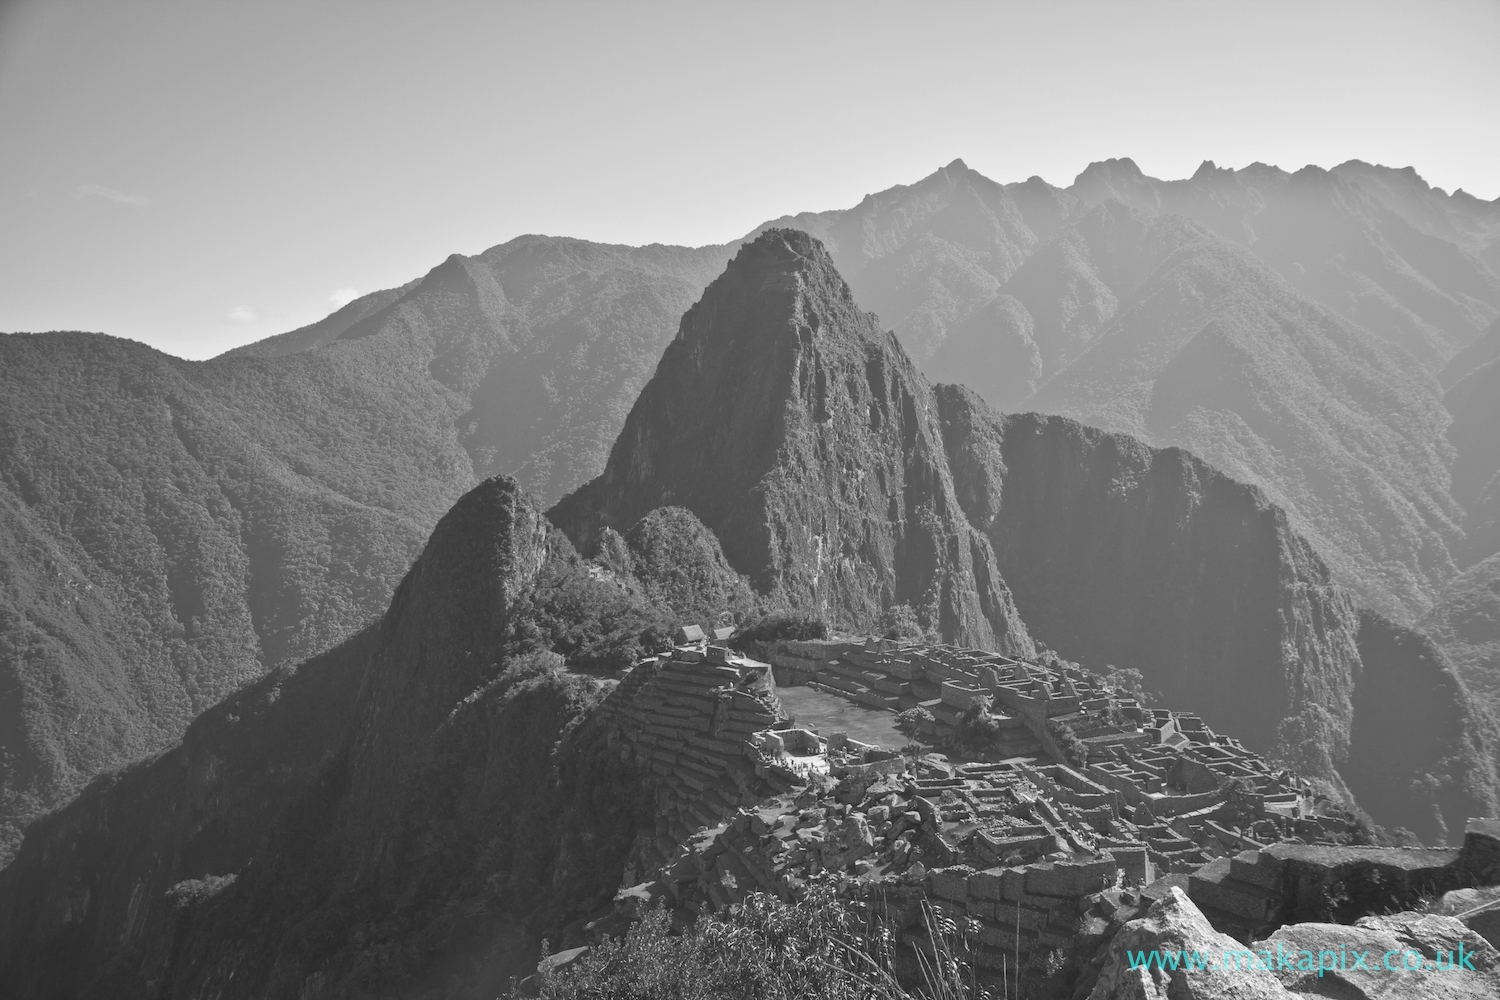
point(1474, 402)
point(543, 344)
point(923, 256)
point(798, 431)
point(344, 826)
point(1203, 347)
point(1466, 623)
point(173, 529)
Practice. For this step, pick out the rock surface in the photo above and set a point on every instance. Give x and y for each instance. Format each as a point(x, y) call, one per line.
point(1174, 925)
point(1429, 941)
point(1285, 965)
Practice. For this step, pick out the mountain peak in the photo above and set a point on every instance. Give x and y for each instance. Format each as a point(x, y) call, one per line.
point(783, 250)
point(1206, 169)
point(797, 430)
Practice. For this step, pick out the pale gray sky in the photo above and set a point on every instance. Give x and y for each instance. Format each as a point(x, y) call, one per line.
point(197, 175)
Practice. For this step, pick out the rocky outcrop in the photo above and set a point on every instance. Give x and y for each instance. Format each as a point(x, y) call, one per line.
point(1171, 927)
point(800, 433)
point(1429, 955)
point(1189, 960)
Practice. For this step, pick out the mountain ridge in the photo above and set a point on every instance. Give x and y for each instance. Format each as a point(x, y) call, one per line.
point(531, 365)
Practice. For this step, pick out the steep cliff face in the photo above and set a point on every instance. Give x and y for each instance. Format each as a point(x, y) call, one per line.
point(1146, 558)
point(800, 433)
point(1421, 754)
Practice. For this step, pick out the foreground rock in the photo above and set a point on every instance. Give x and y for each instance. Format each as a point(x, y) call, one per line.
point(1405, 955)
point(1444, 958)
point(1173, 926)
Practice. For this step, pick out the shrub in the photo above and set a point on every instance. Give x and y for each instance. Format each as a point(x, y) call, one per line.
point(793, 625)
point(899, 621)
point(977, 727)
point(1073, 749)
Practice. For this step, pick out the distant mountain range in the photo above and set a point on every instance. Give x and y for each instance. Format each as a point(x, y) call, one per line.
point(174, 529)
point(409, 812)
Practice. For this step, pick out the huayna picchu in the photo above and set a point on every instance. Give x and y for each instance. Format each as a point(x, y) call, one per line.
point(553, 734)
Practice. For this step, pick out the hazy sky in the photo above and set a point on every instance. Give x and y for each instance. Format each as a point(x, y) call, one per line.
point(198, 175)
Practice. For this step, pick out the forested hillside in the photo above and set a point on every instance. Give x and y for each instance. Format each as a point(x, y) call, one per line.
point(173, 529)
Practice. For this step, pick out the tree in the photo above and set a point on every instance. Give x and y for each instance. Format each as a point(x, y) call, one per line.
point(1241, 805)
point(899, 621)
point(977, 727)
point(911, 724)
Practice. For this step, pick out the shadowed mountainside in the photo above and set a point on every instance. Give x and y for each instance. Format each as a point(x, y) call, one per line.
point(1124, 555)
point(353, 823)
point(1466, 623)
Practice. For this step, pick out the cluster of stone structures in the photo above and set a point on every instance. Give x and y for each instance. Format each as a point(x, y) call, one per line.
point(1024, 852)
point(1152, 776)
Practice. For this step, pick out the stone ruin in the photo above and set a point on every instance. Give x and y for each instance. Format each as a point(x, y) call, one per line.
point(1032, 855)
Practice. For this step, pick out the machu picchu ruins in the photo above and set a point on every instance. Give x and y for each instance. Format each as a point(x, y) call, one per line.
point(1029, 851)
